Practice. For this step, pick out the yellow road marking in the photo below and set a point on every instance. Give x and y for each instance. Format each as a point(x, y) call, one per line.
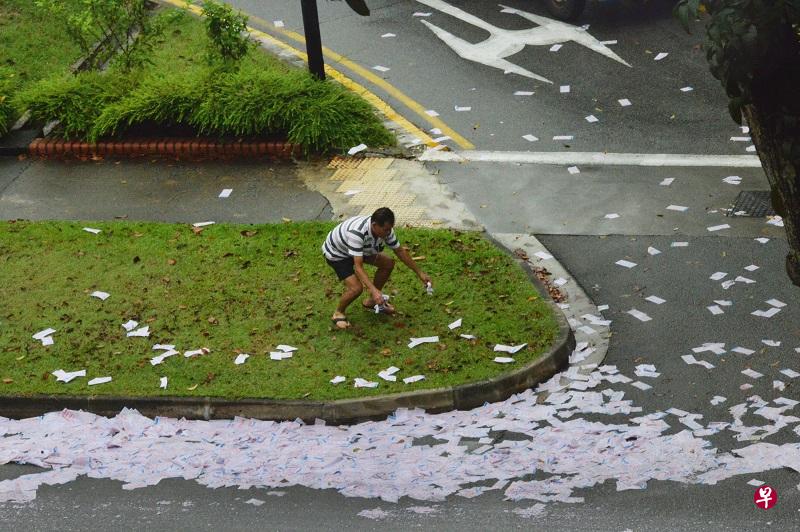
point(374, 100)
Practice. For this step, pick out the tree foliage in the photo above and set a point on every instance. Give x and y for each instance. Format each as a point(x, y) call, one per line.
point(227, 32)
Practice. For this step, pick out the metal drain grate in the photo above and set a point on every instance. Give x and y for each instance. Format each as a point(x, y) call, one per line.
point(753, 203)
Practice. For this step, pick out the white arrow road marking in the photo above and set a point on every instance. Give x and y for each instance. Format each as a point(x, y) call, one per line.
point(503, 43)
point(594, 158)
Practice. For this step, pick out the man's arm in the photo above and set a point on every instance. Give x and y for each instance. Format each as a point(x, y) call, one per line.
point(405, 257)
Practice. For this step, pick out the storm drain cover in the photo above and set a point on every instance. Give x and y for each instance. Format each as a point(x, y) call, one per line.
point(753, 203)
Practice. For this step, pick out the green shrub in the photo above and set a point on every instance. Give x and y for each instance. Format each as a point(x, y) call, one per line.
point(226, 31)
point(76, 101)
point(8, 84)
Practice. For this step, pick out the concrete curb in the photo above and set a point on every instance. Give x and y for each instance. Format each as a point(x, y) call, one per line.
point(184, 148)
point(346, 411)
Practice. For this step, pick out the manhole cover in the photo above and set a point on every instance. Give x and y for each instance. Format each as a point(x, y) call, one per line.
point(753, 203)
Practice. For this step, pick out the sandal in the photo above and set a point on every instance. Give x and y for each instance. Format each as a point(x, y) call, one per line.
point(337, 321)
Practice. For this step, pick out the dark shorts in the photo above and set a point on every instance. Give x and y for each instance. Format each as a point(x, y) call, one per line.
point(346, 267)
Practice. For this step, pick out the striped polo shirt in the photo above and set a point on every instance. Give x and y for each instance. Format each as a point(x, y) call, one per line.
point(353, 238)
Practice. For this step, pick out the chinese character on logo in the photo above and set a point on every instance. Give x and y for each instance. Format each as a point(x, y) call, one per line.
point(765, 497)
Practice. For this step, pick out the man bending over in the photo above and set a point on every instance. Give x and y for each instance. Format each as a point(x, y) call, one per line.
point(357, 241)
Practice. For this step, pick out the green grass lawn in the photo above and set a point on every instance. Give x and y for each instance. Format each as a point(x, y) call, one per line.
point(246, 289)
point(32, 47)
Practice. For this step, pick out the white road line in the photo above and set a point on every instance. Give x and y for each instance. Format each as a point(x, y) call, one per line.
point(594, 158)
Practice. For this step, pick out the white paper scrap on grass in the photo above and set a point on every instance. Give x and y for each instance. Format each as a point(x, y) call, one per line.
point(141, 332)
point(762, 240)
point(356, 149)
point(778, 385)
point(337, 379)
point(431, 112)
point(687, 89)
point(388, 35)
point(241, 359)
point(195, 352)
point(414, 342)
point(652, 251)
point(680, 208)
point(742, 350)
point(163, 347)
point(503, 360)
point(723, 302)
point(48, 340)
point(556, 47)
point(591, 119)
point(659, 56)
point(717, 399)
point(358, 382)
point(285, 348)
point(523, 93)
point(715, 310)
point(202, 224)
point(42, 334)
point(530, 138)
point(381, 68)
point(718, 227)
point(792, 374)
point(573, 170)
point(413, 378)
point(66, 376)
point(279, 355)
point(163, 383)
point(625, 263)
point(467, 336)
point(771, 343)
point(226, 193)
point(611, 215)
point(752, 374)
point(130, 325)
point(158, 359)
point(564, 89)
point(667, 181)
point(455, 324)
point(510, 349)
point(99, 380)
point(679, 245)
point(716, 276)
point(655, 299)
point(387, 376)
point(732, 180)
point(463, 109)
point(639, 315)
point(91, 230)
point(100, 295)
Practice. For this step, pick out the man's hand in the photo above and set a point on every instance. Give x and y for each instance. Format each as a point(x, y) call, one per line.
point(424, 278)
point(377, 297)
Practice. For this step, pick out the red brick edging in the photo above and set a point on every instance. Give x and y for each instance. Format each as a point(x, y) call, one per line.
point(191, 148)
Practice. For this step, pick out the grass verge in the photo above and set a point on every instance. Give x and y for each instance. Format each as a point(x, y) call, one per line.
point(258, 97)
point(246, 289)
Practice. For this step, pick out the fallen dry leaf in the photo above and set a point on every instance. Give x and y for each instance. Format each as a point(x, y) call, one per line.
point(421, 257)
point(192, 387)
point(172, 262)
point(249, 233)
point(7, 381)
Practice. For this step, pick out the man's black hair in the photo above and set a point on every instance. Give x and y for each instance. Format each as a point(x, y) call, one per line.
point(383, 216)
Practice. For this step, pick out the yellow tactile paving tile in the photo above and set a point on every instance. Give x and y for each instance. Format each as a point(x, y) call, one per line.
point(343, 174)
point(390, 187)
point(381, 198)
point(368, 163)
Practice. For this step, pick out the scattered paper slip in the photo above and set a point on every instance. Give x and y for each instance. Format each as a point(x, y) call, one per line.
point(716, 276)
point(240, 359)
point(202, 224)
point(564, 89)
point(790, 373)
point(462, 109)
point(660, 56)
point(195, 352)
point(387, 376)
point(687, 89)
point(455, 324)
point(555, 47)
point(611, 216)
point(752, 374)
point(91, 230)
point(467, 336)
point(43, 334)
point(641, 316)
point(358, 382)
point(356, 149)
point(503, 360)
point(431, 112)
point(413, 378)
point(426, 340)
point(641, 385)
point(254, 502)
point(715, 310)
point(751, 268)
point(723, 302)
point(718, 227)
point(388, 35)
point(542, 255)
point(609, 43)
point(563, 137)
point(652, 251)
point(337, 379)
point(655, 299)
point(679, 244)
point(625, 263)
point(680, 208)
point(500, 348)
point(560, 281)
point(762, 240)
point(226, 193)
point(130, 325)
point(141, 332)
point(667, 181)
point(717, 399)
point(99, 380)
point(733, 180)
point(279, 355)
point(66, 376)
point(573, 170)
point(624, 102)
point(591, 119)
point(742, 350)
point(530, 138)
point(381, 68)
point(523, 93)
point(278, 23)
point(285, 348)
point(163, 383)
point(690, 359)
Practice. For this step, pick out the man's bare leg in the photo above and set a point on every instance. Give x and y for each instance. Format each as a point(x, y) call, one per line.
point(352, 289)
point(385, 265)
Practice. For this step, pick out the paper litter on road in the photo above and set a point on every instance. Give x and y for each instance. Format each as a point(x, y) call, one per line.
point(641, 385)
point(625, 263)
point(742, 350)
point(455, 324)
point(66, 376)
point(660, 56)
point(761, 240)
point(771, 343)
point(718, 348)
point(254, 502)
point(142, 332)
point(388, 35)
point(732, 180)
point(431, 112)
point(555, 47)
point(717, 399)
point(226, 193)
point(462, 109)
point(99, 380)
point(752, 374)
point(564, 89)
point(667, 181)
point(414, 342)
point(100, 295)
point(624, 102)
point(686, 89)
point(241, 359)
point(381, 68)
point(718, 227)
point(503, 360)
point(523, 93)
point(715, 310)
point(563, 137)
point(356, 149)
point(766, 313)
point(751, 268)
point(500, 348)
point(778, 385)
point(358, 382)
point(591, 119)
point(716, 276)
point(740, 279)
point(337, 379)
point(646, 370)
point(679, 244)
point(611, 216)
point(680, 208)
point(690, 359)
point(776, 303)
point(641, 316)
point(413, 378)
point(573, 170)
point(792, 374)
point(655, 299)
point(652, 251)
point(530, 138)
point(92, 230)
